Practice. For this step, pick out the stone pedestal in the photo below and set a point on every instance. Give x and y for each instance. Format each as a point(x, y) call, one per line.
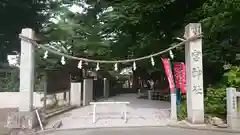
point(75, 94)
point(194, 75)
point(87, 91)
point(22, 120)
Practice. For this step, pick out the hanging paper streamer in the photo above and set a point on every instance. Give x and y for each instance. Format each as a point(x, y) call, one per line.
point(45, 55)
point(97, 67)
point(63, 60)
point(152, 61)
point(171, 54)
point(80, 64)
point(134, 66)
point(168, 72)
point(116, 67)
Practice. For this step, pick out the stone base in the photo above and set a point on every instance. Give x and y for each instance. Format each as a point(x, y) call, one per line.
point(233, 122)
point(197, 117)
point(22, 120)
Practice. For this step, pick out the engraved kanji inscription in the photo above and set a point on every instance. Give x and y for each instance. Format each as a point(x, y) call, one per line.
point(196, 55)
point(196, 30)
point(234, 102)
point(196, 72)
point(197, 89)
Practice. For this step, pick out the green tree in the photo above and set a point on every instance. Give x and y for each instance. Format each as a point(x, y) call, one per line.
point(18, 14)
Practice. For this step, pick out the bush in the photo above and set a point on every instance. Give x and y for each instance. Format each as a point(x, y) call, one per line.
point(183, 112)
point(215, 101)
point(232, 77)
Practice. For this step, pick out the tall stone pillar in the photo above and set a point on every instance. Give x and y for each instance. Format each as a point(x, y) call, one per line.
point(87, 91)
point(26, 118)
point(27, 65)
point(194, 75)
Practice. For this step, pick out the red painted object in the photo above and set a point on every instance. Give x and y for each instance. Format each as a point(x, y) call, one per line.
point(168, 72)
point(177, 73)
point(183, 79)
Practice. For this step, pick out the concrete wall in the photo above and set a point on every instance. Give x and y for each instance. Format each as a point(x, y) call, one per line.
point(11, 99)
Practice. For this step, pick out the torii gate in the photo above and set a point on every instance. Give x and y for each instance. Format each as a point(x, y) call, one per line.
point(193, 60)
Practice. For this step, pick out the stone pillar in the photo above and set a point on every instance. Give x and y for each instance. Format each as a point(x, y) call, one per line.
point(194, 75)
point(173, 107)
point(26, 118)
point(106, 88)
point(75, 94)
point(27, 65)
point(87, 91)
point(233, 120)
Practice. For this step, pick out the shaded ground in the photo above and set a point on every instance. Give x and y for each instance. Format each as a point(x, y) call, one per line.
point(3, 118)
point(139, 131)
point(141, 112)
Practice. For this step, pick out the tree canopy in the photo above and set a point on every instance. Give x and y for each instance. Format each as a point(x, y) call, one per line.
point(18, 14)
point(124, 29)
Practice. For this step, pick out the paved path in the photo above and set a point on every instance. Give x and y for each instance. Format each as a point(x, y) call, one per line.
point(141, 112)
point(140, 131)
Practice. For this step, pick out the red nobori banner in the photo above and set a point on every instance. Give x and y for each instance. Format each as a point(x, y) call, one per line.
point(180, 76)
point(183, 78)
point(168, 71)
point(177, 73)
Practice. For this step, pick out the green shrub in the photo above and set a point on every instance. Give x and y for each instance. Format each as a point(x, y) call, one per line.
point(183, 112)
point(232, 77)
point(215, 101)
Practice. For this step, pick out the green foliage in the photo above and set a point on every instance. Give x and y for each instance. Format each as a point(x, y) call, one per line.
point(16, 15)
point(232, 77)
point(10, 81)
point(183, 112)
point(215, 101)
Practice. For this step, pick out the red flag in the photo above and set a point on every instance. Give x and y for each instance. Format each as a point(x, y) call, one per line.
point(177, 73)
point(168, 72)
point(183, 78)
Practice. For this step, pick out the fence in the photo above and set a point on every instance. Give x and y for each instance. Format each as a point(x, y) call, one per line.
point(9, 80)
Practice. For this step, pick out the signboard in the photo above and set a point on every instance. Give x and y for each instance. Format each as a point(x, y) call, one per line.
point(168, 72)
